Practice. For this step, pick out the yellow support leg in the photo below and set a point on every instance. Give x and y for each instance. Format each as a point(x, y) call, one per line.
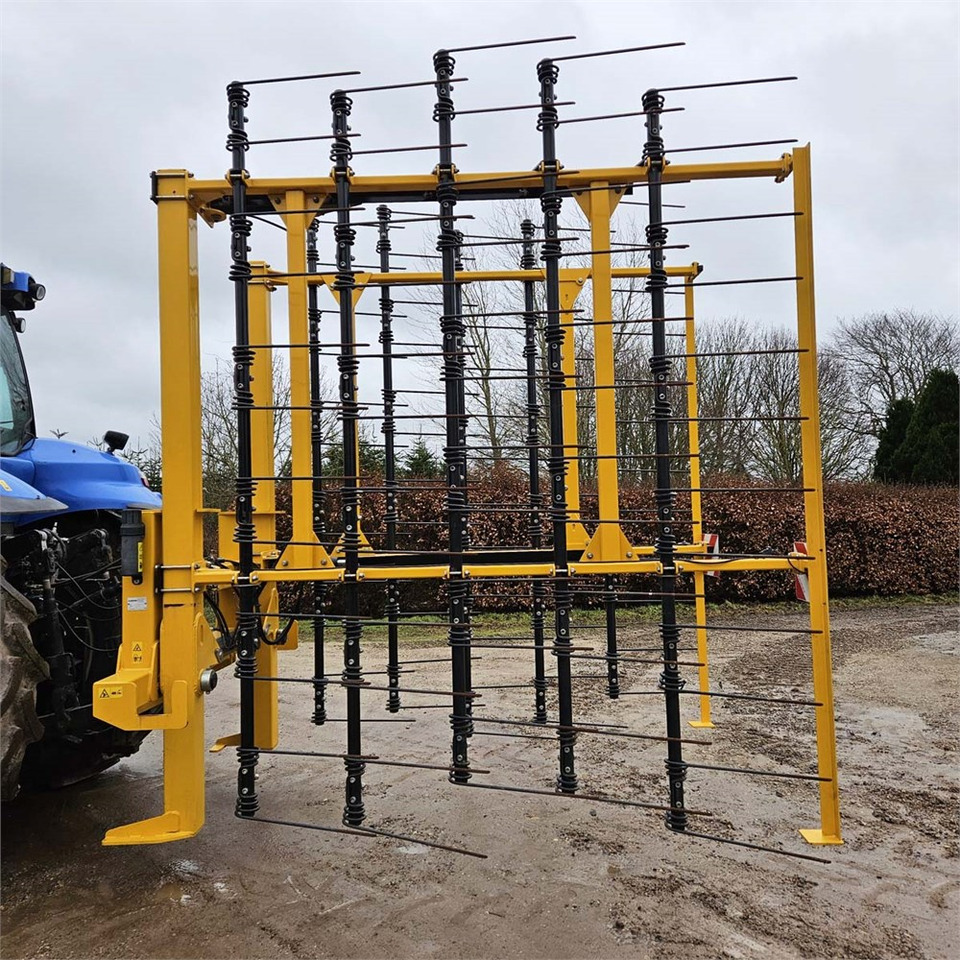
point(182, 655)
point(609, 542)
point(829, 830)
point(693, 440)
point(306, 550)
point(262, 463)
point(571, 286)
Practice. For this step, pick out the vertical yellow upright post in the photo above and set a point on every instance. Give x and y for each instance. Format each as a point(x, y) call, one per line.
point(608, 543)
point(829, 830)
point(571, 287)
point(182, 541)
point(262, 462)
point(693, 437)
point(301, 554)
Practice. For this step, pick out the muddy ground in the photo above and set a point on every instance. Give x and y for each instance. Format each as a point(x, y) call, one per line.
point(563, 877)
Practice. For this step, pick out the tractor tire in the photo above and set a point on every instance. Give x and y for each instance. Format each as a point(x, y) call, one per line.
point(21, 669)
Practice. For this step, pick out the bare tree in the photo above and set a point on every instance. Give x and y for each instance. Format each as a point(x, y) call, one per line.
point(889, 356)
point(218, 431)
point(724, 392)
point(774, 378)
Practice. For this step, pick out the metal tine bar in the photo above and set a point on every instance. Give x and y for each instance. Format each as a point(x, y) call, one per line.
point(614, 323)
point(433, 693)
point(734, 353)
point(516, 736)
point(522, 106)
point(370, 833)
point(364, 758)
point(700, 626)
point(509, 43)
point(625, 248)
point(516, 313)
point(748, 846)
point(523, 176)
point(730, 146)
point(534, 723)
point(321, 136)
point(433, 660)
point(761, 773)
point(306, 76)
point(735, 419)
point(634, 593)
point(595, 798)
point(611, 53)
point(365, 267)
point(413, 218)
point(510, 241)
point(744, 490)
point(511, 646)
point(429, 146)
point(745, 216)
point(317, 212)
point(644, 203)
point(572, 229)
point(616, 657)
point(269, 223)
point(722, 283)
point(369, 720)
point(305, 346)
point(723, 83)
point(593, 728)
point(619, 187)
point(617, 116)
point(730, 696)
point(402, 86)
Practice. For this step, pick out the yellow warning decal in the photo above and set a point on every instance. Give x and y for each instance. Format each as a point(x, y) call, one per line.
point(107, 693)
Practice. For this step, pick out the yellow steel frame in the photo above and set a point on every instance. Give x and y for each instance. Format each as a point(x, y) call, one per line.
point(167, 643)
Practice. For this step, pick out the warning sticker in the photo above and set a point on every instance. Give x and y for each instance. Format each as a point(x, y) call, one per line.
point(138, 652)
point(109, 693)
point(136, 603)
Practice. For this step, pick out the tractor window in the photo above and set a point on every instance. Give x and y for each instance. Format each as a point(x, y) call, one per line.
point(16, 410)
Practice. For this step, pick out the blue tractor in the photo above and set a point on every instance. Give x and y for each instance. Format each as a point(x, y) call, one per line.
point(60, 519)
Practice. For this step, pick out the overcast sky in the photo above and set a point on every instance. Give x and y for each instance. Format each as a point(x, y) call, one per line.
point(96, 95)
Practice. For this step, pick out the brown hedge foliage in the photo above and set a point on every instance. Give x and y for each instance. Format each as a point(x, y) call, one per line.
point(881, 539)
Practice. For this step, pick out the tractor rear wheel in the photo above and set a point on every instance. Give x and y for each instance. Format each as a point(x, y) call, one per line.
point(21, 669)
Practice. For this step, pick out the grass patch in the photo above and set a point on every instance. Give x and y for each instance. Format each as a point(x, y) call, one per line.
point(517, 624)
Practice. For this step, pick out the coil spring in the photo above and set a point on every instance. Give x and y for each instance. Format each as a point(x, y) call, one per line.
point(235, 142)
point(656, 233)
point(443, 65)
point(240, 229)
point(547, 73)
point(653, 148)
point(676, 770)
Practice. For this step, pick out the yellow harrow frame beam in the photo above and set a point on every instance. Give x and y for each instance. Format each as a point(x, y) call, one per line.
point(167, 645)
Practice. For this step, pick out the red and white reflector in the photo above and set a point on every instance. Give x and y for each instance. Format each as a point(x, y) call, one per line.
point(801, 580)
point(712, 542)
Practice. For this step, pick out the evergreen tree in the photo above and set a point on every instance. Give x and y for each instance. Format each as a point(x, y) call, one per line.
point(421, 462)
point(930, 452)
point(372, 458)
point(891, 437)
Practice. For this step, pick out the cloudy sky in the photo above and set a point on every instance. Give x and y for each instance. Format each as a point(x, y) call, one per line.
point(96, 95)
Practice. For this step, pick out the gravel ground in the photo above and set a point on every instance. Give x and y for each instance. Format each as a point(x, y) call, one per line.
point(562, 877)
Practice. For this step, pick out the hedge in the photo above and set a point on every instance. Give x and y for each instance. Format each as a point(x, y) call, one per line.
point(881, 539)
